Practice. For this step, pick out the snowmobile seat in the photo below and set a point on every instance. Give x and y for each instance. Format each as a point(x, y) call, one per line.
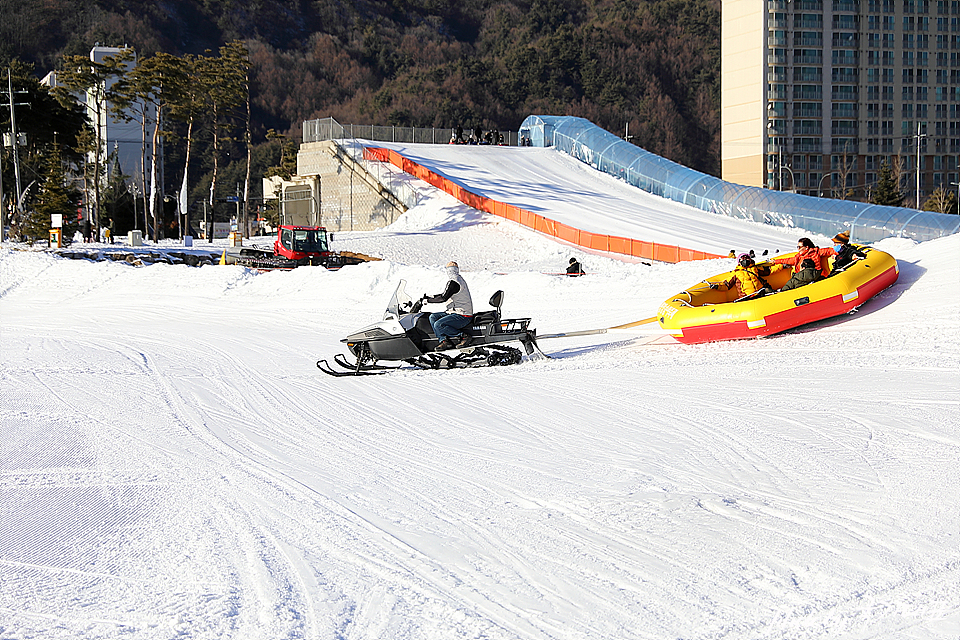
point(492, 316)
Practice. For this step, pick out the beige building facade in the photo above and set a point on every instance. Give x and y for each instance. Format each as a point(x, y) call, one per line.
point(817, 94)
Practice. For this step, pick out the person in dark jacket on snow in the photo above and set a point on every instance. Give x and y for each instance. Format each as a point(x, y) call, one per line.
point(808, 273)
point(449, 325)
point(847, 254)
point(575, 268)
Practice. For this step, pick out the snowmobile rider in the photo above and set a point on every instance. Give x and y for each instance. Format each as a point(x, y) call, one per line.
point(806, 249)
point(847, 254)
point(449, 325)
point(748, 278)
point(807, 274)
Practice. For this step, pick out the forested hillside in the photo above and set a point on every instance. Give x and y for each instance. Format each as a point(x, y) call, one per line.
point(649, 64)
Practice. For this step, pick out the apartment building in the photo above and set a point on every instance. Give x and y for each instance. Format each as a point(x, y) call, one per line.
point(817, 94)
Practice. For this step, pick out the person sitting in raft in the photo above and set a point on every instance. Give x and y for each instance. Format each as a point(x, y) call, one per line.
point(748, 278)
point(808, 273)
point(847, 254)
point(806, 249)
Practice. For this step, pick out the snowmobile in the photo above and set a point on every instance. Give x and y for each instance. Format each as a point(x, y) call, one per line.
point(405, 336)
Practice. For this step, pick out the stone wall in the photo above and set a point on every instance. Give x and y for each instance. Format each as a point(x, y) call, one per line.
point(349, 198)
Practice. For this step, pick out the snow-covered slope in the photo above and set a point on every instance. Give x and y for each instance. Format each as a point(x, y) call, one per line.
point(175, 466)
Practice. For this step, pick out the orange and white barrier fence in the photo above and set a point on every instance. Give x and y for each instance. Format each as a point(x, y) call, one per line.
point(596, 241)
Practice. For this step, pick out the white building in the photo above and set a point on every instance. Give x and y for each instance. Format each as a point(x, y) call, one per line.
point(116, 133)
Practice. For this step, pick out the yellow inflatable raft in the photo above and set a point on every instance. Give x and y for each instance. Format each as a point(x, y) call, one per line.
point(702, 314)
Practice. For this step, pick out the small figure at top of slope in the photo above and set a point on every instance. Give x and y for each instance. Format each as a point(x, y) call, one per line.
point(575, 268)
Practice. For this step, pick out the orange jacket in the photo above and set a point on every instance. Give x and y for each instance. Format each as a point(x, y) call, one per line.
point(818, 255)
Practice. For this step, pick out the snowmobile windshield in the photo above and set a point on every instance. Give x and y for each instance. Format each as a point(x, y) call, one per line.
point(399, 304)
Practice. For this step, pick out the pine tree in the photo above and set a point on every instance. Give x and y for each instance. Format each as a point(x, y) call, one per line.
point(54, 198)
point(887, 191)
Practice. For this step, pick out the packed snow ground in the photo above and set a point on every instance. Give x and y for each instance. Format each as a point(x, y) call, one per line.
point(175, 466)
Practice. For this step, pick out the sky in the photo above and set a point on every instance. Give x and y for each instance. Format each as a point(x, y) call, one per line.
point(174, 465)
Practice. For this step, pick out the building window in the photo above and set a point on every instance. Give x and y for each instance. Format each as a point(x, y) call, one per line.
point(888, 22)
point(844, 22)
point(808, 92)
point(844, 74)
point(843, 128)
point(808, 109)
point(808, 39)
point(808, 21)
point(812, 74)
point(844, 92)
point(845, 39)
point(807, 56)
point(844, 110)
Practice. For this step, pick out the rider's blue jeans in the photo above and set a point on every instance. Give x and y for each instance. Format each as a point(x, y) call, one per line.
point(447, 326)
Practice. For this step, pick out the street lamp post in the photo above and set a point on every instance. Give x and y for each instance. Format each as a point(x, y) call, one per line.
point(819, 192)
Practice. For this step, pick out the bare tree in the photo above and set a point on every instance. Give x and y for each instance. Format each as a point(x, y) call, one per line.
point(941, 201)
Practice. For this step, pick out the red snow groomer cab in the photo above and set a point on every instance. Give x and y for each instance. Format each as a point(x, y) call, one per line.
point(303, 245)
point(295, 246)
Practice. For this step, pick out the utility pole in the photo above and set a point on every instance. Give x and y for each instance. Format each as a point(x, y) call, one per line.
point(14, 138)
point(919, 162)
point(3, 206)
point(14, 143)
